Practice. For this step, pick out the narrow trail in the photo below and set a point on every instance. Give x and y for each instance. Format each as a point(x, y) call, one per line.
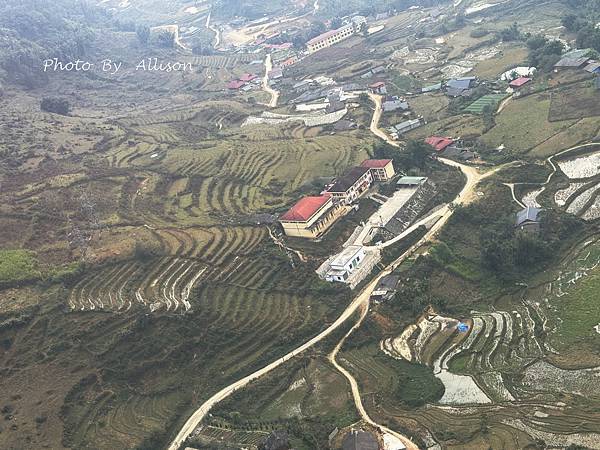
point(354, 385)
point(265, 83)
point(215, 30)
point(511, 186)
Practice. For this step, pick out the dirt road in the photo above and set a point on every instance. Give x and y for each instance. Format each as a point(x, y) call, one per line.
point(265, 84)
point(354, 385)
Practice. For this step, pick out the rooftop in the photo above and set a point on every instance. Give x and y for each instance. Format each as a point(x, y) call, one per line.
point(325, 35)
point(348, 180)
point(439, 143)
point(247, 77)
point(345, 256)
point(305, 209)
point(235, 84)
point(409, 181)
point(375, 163)
point(572, 62)
point(528, 215)
point(519, 82)
point(377, 85)
point(360, 440)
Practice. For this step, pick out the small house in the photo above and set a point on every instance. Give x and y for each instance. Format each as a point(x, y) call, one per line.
point(386, 288)
point(528, 220)
point(360, 440)
point(519, 82)
point(571, 63)
point(235, 84)
point(439, 143)
point(406, 126)
point(378, 88)
point(461, 83)
point(593, 67)
point(394, 103)
point(432, 88)
point(247, 77)
point(345, 263)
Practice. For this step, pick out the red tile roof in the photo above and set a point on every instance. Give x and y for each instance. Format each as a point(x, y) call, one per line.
point(235, 84)
point(519, 82)
point(375, 163)
point(439, 143)
point(247, 77)
point(305, 208)
point(376, 85)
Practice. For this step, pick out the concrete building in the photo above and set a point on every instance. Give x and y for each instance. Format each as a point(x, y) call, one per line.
point(330, 38)
point(381, 169)
point(351, 186)
point(345, 263)
point(310, 217)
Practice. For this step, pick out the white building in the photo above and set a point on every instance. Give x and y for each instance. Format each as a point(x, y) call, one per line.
point(345, 263)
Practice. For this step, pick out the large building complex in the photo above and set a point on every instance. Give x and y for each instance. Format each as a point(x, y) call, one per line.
point(310, 217)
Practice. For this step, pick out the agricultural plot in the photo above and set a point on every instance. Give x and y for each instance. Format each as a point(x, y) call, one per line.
point(487, 101)
point(523, 126)
point(576, 101)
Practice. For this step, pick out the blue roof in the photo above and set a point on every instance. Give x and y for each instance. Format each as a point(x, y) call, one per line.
point(528, 215)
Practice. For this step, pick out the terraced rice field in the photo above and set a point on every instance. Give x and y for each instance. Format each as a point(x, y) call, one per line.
point(192, 257)
point(495, 343)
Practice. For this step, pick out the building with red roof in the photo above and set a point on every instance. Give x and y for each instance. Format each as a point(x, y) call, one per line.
point(235, 84)
point(248, 77)
point(439, 143)
point(519, 82)
point(378, 88)
point(381, 169)
point(310, 217)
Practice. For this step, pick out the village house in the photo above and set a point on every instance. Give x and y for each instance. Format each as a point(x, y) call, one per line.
point(351, 186)
point(404, 127)
point(439, 143)
point(460, 86)
point(360, 440)
point(378, 88)
point(593, 67)
point(519, 82)
point(386, 288)
point(528, 220)
point(345, 263)
point(571, 63)
point(381, 169)
point(394, 103)
point(310, 217)
point(235, 84)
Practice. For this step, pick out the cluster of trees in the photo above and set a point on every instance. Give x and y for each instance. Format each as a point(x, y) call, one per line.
point(588, 34)
point(416, 155)
point(507, 252)
point(56, 105)
point(544, 53)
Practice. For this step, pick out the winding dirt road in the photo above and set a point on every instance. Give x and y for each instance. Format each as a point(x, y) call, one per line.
point(265, 83)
